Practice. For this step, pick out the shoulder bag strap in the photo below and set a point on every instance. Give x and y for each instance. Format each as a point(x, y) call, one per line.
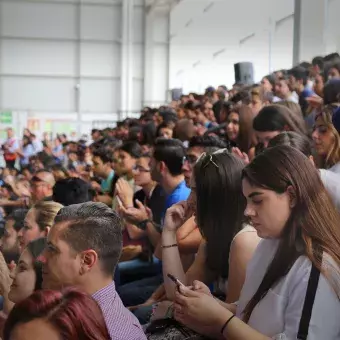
point(308, 304)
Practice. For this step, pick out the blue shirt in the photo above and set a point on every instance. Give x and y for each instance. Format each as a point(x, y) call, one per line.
point(27, 152)
point(180, 193)
point(106, 184)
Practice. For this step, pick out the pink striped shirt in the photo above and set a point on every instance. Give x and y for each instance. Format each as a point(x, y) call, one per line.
point(120, 322)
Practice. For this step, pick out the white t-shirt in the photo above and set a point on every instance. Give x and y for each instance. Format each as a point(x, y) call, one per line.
point(335, 168)
point(279, 312)
point(331, 181)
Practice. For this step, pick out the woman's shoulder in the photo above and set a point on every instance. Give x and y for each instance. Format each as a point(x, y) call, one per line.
point(246, 235)
point(300, 274)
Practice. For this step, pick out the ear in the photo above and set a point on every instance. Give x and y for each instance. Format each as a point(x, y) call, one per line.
point(162, 167)
point(292, 196)
point(88, 259)
point(311, 158)
point(46, 231)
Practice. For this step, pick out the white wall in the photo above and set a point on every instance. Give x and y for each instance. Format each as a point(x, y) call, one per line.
point(61, 60)
point(201, 29)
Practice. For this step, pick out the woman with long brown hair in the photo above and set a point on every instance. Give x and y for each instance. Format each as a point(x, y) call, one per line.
point(240, 129)
point(326, 141)
point(292, 284)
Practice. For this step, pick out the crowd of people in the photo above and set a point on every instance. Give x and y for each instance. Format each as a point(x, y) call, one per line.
point(214, 217)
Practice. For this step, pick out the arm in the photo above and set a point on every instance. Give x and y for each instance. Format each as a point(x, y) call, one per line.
point(191, 243)
point(153, 234)
point(205, 315)
point(188, 238)
point(134, 232)
point(140, 214)
point(172, 264)
point(237, 329)
point(106, 198)
point(241, 252)
point(9, 203)
point(20, 153)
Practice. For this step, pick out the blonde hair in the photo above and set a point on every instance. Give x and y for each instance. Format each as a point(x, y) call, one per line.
point(333, 155)
point(46, 211)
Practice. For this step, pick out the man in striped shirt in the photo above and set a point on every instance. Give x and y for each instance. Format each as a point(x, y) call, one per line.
point(83, 249)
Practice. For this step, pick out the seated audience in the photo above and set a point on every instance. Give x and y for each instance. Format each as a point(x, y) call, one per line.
point(102, 169)
point(274, 119)
point(222, 257)
point(330, 179)
point(295, 268)
point(326, 141)
point(166, 169)
point(42, 186)
point(9, 240)
point(240, 130)
point(38, 222)
point(142, 212)
point(83, 249)
point(25, 278)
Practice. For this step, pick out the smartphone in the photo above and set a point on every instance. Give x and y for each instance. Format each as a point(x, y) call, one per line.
point(175, 280)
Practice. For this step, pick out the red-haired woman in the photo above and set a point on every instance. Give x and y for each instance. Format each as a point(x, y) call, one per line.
point(53, 315)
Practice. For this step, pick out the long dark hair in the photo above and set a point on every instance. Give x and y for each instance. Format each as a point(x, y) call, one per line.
point(312, 228)
point(220, 206)
point(278, 118)
point(246, 138)
point(293, 139)
point(36, 248)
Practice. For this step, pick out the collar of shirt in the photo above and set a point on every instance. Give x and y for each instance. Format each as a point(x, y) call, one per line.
point(105, 293)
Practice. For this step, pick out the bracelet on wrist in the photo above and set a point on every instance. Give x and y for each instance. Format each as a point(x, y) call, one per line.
point(226, 324)
point(170, 246)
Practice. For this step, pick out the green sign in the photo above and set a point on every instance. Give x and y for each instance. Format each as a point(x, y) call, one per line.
point(6, 117)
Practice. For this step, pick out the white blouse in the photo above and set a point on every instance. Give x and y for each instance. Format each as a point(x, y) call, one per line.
point(278, 314)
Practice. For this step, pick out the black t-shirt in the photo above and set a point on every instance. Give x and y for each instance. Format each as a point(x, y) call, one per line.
point(156, 202)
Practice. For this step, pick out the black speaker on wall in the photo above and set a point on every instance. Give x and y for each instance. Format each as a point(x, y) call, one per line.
point(244, 73)
point(176, 94)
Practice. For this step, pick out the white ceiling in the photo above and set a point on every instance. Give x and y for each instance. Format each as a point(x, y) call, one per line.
point(209, 36)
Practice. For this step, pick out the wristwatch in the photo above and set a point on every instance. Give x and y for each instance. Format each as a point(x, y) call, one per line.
point(142, 225)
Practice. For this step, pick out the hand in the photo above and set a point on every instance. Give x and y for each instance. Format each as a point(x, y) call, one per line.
point(201, 130)
point(175, 216)
point(160, 310)
point(315, 101)
point(200, 312)
point(238, 153)
point(124, 192)
point(136, 215)
point(147, 303)
point(200, 287)
point(5, 280)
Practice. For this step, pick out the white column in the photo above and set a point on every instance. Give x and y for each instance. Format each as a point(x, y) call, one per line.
point(127, 57)
point(157, 58)
point(310, 29)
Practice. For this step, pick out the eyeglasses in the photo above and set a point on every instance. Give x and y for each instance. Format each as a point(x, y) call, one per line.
point(141, 169)
point(191, 159)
